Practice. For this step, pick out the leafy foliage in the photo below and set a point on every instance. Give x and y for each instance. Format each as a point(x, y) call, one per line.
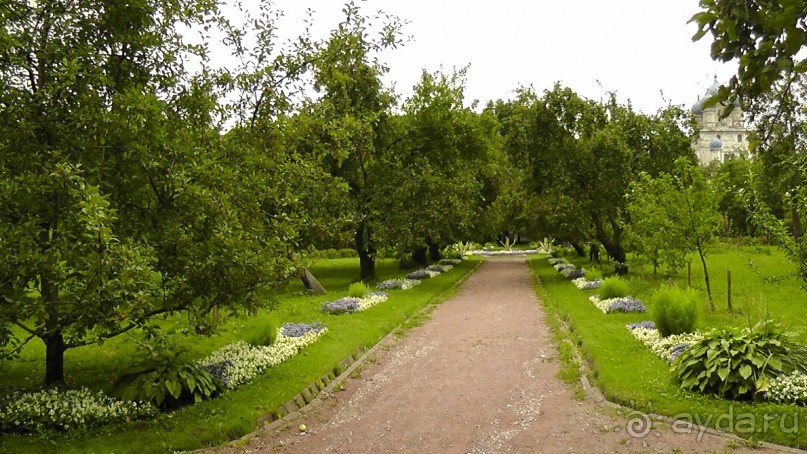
point(675, 310)
point(72, 410)
point(740, 364)
point(358, 290)
point(614, 287)
point(169, 385)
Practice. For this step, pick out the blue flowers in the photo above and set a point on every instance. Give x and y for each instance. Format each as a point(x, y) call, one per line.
point(647, 324)
point(342, 305)
point(301, 329)
point(623, 304)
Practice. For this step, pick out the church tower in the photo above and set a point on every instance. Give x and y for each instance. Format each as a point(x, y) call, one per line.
point(719, 138)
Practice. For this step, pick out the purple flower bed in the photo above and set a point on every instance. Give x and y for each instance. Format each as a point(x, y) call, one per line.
point(300, 329)
point(647, 324)
point(342, 306)
point(572, 273)
point(677, 350)
point(219, 370)
point(564, 266)
point(419, 274)
point(627, 304)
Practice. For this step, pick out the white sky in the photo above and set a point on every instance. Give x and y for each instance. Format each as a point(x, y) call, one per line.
point(637, 48)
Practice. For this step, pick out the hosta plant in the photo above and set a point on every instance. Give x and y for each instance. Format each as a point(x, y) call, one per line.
point(739, 364)
point(169, 385)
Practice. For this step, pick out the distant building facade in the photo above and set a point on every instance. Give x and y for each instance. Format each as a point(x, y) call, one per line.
point(719, 138)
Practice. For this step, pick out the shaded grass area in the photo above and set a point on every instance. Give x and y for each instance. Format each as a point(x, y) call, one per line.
point(234, 413)
point(630, 374)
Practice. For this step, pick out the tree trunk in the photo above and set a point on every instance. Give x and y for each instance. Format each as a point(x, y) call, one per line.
point(798, 230)
point(434, 252)
point(54, 358)
point(594, 253)
point(366, 250)
point(612, 245)
point(311, 283)
point(419, 256)
point(581, 251)
point(706, 276)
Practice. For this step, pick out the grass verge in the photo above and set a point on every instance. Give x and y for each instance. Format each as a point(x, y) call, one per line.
point(629, 374)
point(235, 413)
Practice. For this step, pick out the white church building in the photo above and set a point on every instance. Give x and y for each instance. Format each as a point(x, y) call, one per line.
point(719, 138)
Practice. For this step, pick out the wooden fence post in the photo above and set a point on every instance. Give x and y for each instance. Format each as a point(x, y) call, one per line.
point(728, 288)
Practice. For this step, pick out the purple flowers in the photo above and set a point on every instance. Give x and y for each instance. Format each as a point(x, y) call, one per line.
point(342, 305)
point(626, 304)
point(300, 329)
point(647, 324)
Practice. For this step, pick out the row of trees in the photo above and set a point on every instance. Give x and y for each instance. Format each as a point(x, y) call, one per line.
point(131, 187)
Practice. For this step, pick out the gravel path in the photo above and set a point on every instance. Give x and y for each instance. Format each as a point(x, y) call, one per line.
point(478, 377)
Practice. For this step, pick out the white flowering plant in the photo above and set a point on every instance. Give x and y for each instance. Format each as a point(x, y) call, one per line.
point(788, 389)
point(622, 304)
point(350, 304)
point(243, 362)
point(56, 410)
point(584, 284)
point(667, 348)
point(403, 284)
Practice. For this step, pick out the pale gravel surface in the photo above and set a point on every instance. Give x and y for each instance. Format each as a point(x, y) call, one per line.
point(478, 377)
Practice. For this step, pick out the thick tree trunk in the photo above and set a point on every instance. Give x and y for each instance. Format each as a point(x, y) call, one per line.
point(798, 230)
point(594, 253)
point(434, 252)
point(581, 251)
point(613, 244)
point(54, 358)
point(419, 256)
point(366, 250)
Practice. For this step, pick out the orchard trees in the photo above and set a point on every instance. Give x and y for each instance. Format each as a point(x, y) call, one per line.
point(119, 199)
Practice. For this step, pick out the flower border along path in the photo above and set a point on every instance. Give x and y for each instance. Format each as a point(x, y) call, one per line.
point(315, 394)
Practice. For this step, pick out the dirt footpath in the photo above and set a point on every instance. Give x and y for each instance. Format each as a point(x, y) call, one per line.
point(478, 377)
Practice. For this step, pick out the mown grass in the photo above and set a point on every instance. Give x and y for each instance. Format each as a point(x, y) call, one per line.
point(630, 374)
point(235, 413)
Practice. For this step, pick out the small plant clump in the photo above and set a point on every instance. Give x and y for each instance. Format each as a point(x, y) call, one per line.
point(358, 290)
point(675, 310)
point(614, 287)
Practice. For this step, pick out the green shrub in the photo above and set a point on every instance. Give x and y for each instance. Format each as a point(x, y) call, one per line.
point(739, 364)
point(675, 310)
point(169, 385)
point(358, 290)
point(614, 287)
point(593, 274)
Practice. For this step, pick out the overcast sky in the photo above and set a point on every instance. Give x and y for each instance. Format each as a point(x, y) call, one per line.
point(637, 48)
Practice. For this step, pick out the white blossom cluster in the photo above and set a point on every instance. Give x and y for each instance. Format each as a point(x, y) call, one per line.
point(403, 284)
point(65, 410)
point(585, 284)
point(788, 389)
point(602, 304)
point(665, 347)
point(248, 361)
point(493, 253)
point(372, 299)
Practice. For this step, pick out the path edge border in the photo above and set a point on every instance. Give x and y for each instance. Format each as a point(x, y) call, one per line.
point(301, 405)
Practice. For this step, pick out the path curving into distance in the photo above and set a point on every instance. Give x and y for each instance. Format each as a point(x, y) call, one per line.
point(477, 377)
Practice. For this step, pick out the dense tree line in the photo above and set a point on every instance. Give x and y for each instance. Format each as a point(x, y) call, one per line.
point(132, 187)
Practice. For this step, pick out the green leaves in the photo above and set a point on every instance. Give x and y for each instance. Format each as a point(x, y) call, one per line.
point(740, 364)
point(169, 385)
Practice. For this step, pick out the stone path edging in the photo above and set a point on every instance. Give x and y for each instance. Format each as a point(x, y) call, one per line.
point(301, 404)
point(594, 393)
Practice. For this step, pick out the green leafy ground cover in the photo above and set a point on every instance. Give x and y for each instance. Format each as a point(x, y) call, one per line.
point(628, 373)
point(233, 414)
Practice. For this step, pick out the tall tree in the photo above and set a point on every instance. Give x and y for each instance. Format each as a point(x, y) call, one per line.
point(118, 199)
point(673, 214)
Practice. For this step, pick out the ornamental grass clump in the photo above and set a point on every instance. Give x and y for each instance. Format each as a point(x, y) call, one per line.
point(358, 290)
point(738, 364)
point(614, 287)
point(675, 310)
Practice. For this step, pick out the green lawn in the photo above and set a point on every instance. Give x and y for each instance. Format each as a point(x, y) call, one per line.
point(235, 413)
point(630, 374)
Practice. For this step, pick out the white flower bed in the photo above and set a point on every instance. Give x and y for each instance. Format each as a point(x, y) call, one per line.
point(667, 348)
point(371, 300)
point(64, 410)
point(585, 284)
point(403, 284)
point(788, 389)
point(248, 361)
